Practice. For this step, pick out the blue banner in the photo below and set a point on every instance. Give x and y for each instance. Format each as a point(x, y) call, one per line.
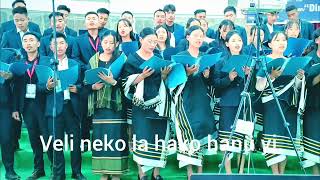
point(309, 10)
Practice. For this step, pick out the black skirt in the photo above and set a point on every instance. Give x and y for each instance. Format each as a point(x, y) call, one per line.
point(276, 140)
point(311, 136)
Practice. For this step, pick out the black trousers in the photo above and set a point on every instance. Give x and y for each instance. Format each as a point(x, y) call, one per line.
point(86, 122)
point(37, 126)
point(67, 122)
point(16, 130)
point(7, 151)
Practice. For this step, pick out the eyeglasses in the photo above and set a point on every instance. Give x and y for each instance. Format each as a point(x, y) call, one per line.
point(152, 42)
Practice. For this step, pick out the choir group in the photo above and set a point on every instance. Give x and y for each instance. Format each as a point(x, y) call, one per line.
point(179, 84)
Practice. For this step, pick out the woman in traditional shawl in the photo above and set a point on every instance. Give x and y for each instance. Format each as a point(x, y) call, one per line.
point(105, 104)
point(193, 117)
point(150, 108)
point(276, 142)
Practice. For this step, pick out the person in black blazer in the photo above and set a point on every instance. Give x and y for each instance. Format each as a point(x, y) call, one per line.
point(202, 14)
point(84, 47)
point(68, 116)
point(12, 38)
point(68, 31)
point(66, 12)
point(45, 41)
point(159, 17)
point(60, 25)
point(45, 46)
point(29, 100)
point(7, 149)
point(83, 50)
point(177, 31)
point(103, 14)
point(230, 13)
point(306, 28)
point(270, 26)
point(9, 25)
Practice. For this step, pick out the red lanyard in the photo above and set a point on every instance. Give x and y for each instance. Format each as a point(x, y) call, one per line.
point(30, 74)
point(95, 47)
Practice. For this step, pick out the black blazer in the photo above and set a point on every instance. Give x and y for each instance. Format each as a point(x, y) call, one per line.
point(178, 32)
point(60, 98)
point(19, 89)
point(306, 29)
point(267, 34)
point(45, 46)
point(11, 39)
point(6, 100)
point(9, 25)
point(228, 91)
point(211, 33)
point(82, 50)
point(68, 31)
point(243, 34)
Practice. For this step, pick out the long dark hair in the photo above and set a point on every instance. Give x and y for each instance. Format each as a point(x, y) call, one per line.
point(224, 24)
point(190, 20)
point(275, 34)
point(167, 42)
point(116, 53)
point(228, 37)
point(126, 22)
point(290, 25)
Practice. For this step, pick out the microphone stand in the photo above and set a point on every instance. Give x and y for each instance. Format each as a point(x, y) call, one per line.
point(55, 63)
point(245, 91)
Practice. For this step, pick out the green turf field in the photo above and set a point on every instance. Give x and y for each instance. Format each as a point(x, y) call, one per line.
point(24, 165)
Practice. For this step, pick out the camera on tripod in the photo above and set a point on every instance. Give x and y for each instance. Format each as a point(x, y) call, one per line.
point(256, 10)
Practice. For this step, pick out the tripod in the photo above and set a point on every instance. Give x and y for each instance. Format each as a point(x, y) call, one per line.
point(55, 63)
point(245, 91)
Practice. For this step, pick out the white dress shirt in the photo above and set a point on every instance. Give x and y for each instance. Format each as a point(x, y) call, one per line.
point(63, 64)
point(270, 27)
point(21, 33)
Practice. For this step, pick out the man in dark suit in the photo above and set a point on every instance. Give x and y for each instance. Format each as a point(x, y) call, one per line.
point(269, 27)
point(65, 11)
point(7, 149)
point(60, 27)
point(103, 14)
point(306, 28)
point(84, 47)
point(202, 14)
point(230, 13)
point(176, 30)
point(87, 44)
point(9, 25)
point(67, 30)
point(12, 39)
point(29, 100)
point(159, 17)
point(67, 118)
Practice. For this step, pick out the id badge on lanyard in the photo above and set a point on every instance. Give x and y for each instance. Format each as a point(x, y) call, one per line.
point(66, 94)
point(58, 87)
point(96, 46)
point(31, 89)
